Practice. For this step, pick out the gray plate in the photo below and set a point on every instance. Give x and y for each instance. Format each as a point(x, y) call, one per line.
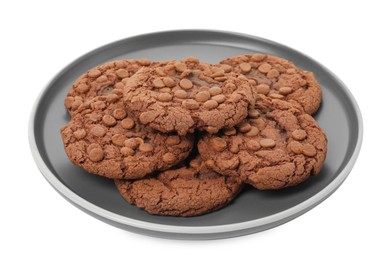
point(253, 210)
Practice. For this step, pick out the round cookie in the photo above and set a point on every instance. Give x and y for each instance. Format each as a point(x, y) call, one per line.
point(275, 147)
point(100, 81)
point(187, 95)
point(104, 140)
point(278, 78)
point(187, 191)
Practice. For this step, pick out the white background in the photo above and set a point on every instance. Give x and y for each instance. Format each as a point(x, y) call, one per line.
point(39, 38)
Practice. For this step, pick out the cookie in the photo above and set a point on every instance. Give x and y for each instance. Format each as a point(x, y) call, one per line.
point(187, 191)
point(100, 81)
point(187, 95)
point(275, 147)
point(278, 78)
point(104, 140)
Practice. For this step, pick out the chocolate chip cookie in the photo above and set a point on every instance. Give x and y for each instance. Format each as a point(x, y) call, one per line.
point(104, 140)
point(278, 78)
point(275, 147)
point(187, 95)
point(187, 191)
point(101, 80)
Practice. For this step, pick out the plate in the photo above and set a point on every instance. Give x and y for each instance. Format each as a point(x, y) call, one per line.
point(252, 210)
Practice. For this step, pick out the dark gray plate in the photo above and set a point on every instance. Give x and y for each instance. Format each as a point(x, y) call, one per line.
point(253, 210)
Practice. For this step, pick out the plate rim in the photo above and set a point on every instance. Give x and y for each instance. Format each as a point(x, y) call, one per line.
point(197, 230)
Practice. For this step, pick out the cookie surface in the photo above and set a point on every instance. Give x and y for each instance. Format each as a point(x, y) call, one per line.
point(187, 191)
point(275, 147)
point(187, 95)
point(100, 81)
point(278, 78)
point(104, 140)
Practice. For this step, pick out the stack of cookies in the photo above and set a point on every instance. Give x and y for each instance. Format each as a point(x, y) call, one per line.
point(181, 138)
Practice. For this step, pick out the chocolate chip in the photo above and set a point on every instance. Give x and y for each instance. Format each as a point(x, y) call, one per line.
point(98, 131)
point(126, 151)
point(276, 96)
point(285, 90)
point(272, 73)
point(202, 96)
point(186, 84)
point(146, 148)
point(133, 142)
point(219, 98)
point(253, 145)
point(218, 144)
point(253, 113)
point(119, 113)
point(229, 131)
point(127, 123)
point(122, 73)
point(165, 97)
point(181, 94)
point(267, 143)
point(158, 83)
point(215, 91)
point(173, 140)
point(111, 98)
point(217, 72)
point(257, 57)
point(245, 67)
point(252, 132)
point(265, 68)
point(234, 148)
point(93, 146)
point(68, 102)
point(93, 73)
point(309, 150)
point(190, 104)
point(221, 79)
point(96, 155)
point(79, 134)
point(180, 67)
point(204, 88)
point(165, 90)
point(195, 163)
point(299, 134)
point(295, 147)
point(210, 104)
point(118, 139)
point(262, 89)
point(108, 120)
point(82, 88)
point(102, 78)
point(160, 71)
point(244, 127)
point(169, 82)
point(259, 123)
point(226, 68)
point(169, 158)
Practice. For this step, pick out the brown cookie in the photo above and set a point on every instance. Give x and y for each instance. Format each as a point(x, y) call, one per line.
point(275, 147)
point(101, 80)
point(187, 191)
point(103, 139)
point(187, 95)
point(278, 78)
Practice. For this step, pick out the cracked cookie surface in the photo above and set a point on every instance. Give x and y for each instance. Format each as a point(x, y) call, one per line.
point(101, 80)
point(188, 191)
point(187, 95)
point(275, 147)
point(278, 78)
point(104, 140)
